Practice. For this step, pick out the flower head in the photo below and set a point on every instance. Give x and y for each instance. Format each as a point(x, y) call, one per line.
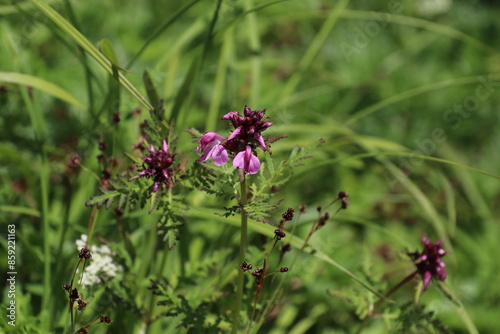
point(248, 129)
point(429, 263)
point(241, 143)
point(159, 163)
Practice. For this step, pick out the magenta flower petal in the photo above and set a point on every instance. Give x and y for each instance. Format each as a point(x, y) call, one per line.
point(231, 115)
point(246, 160)
point(235, 133)
point(208, 138)
point(427, 276)
point(219, 155)
point(211, 147)
point(260, 139)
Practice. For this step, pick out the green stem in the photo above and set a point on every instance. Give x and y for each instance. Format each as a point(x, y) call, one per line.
point(243, 250)
point(382, 300)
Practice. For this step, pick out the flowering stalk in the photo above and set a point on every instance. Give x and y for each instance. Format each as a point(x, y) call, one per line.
point(322, 219)
point(429, 265)
point(243, 250)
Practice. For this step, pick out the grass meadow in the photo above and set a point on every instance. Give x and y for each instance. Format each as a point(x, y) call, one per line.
point(393, 101)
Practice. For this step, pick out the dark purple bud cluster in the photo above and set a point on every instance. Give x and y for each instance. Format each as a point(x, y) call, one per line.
point(257, 273)
point(115, 118)
point(106, 319)
point(74, 294)
point(81, 304)
point(245, 266)
point(428, 262)
point(342, 195)
point(323, 220)
point(85, 254)
point(279, 234)
point(286, 248)
point(288, 214)
point(102, 145)
point(159, 166)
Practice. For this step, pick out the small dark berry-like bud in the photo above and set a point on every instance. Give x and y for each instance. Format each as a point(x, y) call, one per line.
point(288, 214)
point(101, 158)
point(66, 287)
point(345, 204)
point(286, 248)
point(74, 294)
point(105, 319)
point(85, 254)
point(323, 219)
point(81, 304)
point(119, 212)
point(106, 174)
point(113, 162)
point(302, 209)
point(279, 234)
point(318, 208)
point(257, 273)
point(343, 195)
point(74, 160)
point(102, 145)
point(245, 266)
point(284, 269)
point(115, 118)
point(82, 331)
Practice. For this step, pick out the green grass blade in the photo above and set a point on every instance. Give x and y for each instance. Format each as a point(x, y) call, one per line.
point(214, 112)
point(20, 210)
point(313, 50)
point(186, 92)
point(90, 49)
point(421, 23)
point(432, 87)
point(41, 84)
point(150, 88)
point(161, 29)
point(329, 162)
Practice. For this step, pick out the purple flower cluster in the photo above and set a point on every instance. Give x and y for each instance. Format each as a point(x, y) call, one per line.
point(159, 163)
point(241, 143)
point(429, 263)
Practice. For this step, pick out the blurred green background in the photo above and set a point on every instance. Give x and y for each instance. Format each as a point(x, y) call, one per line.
point(377, 80)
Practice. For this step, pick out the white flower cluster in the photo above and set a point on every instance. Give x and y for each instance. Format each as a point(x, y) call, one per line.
point(100, 266)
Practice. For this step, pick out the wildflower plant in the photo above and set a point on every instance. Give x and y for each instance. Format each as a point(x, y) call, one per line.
point(195, 236)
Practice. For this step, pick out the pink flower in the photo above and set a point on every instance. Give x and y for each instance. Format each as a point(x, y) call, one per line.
point(210, 145)
point(243, 140)
point(246, 160)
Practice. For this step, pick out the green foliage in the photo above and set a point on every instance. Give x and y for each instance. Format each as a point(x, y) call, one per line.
point(414, 319)
point(405, 96)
